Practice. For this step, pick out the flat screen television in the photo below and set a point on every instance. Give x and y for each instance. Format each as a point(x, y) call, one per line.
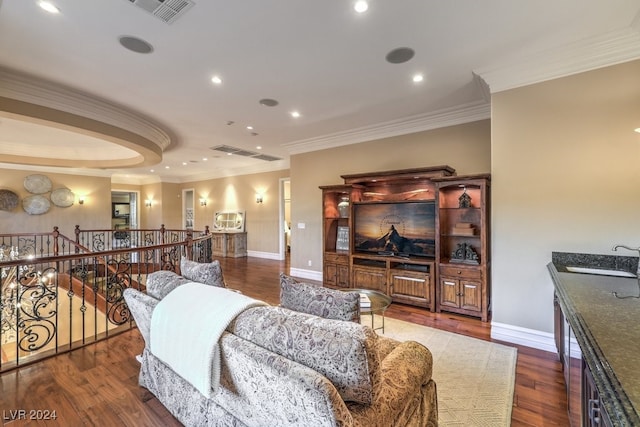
point(395, 228)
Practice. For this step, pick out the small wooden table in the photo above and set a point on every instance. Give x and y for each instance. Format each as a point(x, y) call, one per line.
point(379, 303)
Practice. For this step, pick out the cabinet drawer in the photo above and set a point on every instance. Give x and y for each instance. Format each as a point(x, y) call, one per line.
point(336, 258)
point(466, 273)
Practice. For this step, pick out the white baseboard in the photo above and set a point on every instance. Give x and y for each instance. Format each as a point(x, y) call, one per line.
point(306, 274)
point(523, 336)
point(266, 255)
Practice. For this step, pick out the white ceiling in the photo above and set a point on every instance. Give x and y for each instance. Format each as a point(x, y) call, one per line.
point(320, 58)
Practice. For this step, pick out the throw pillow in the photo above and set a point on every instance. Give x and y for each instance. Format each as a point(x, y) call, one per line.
point(207, 273)
point(319, 301)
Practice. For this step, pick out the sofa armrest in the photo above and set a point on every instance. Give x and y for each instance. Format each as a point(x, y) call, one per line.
point(141, 307)
point(405, 394)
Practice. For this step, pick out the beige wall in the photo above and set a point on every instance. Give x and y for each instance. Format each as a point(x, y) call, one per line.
point(566, 177)
point(238, 193)
point(464, 147)
point(95, 213)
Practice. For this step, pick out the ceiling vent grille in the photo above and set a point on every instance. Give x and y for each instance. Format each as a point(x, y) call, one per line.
point(241, 152)
point(165, 10)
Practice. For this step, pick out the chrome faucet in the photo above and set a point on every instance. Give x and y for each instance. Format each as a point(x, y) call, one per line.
point(615, 249)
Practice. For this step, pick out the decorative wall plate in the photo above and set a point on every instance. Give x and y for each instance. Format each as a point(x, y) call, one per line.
point(37, 184)
point(8, 200)
point(35, 205)
point(62, 197)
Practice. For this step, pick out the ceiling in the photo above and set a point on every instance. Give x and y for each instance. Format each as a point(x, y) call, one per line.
point(162, 113)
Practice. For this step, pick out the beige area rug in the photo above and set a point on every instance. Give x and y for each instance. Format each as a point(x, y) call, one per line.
point(475, 379)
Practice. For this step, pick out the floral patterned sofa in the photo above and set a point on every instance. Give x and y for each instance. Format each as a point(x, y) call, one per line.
point(286, 368)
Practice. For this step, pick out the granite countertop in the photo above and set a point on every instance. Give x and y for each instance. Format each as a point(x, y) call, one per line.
point(605, 327)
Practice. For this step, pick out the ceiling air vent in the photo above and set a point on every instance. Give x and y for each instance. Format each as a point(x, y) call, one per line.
point(241, 152)
point(266, 157)
point(165, 10)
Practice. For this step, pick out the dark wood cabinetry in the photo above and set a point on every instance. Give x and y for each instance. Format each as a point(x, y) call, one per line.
point(435, 280)
point(583, 400)
point(463, 237)
point(336, 232)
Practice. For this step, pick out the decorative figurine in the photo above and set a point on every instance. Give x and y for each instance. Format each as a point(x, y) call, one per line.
point(465, 253)
point(464, 201)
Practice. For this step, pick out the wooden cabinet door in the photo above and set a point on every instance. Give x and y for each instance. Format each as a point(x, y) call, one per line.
point(218, 244)
point(342, 276)
point(470, 295)
point(449, 292)
point(412, 285)
point(370, 278)
point(330, 278)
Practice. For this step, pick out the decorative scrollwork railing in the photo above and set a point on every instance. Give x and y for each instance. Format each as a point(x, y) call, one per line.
point(53, 304)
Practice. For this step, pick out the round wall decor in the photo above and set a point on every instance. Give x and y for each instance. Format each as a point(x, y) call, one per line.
point(37, 184)
point(62, 197)
point(8, 200)
point(36, 205)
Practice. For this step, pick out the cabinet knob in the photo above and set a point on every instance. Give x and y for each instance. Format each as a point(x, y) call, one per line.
point(459, 272)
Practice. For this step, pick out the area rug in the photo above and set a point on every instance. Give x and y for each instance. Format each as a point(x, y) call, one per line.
point(475, 378)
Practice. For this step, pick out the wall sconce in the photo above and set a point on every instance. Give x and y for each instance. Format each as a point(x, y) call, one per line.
point(258, 198)
point(81, 200)
point(203, 202)
point(147, 203)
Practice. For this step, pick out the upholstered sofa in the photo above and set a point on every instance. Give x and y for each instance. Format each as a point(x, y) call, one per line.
point(286, 368)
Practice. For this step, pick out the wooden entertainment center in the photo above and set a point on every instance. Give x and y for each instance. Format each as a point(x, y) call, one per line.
point(446, 268)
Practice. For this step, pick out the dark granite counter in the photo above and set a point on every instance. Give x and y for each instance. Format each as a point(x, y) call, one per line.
point(605, 327)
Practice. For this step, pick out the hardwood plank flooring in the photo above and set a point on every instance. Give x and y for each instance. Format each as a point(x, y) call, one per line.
point(98, 385)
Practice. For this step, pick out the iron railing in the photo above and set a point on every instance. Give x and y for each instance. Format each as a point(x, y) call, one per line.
point(51, 304)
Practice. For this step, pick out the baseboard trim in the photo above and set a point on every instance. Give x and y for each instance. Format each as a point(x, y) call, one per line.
point(306, 274)
point(523, 336)
point(266, 255)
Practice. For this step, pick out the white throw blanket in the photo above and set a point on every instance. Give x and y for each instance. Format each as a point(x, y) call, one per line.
point(186, 326)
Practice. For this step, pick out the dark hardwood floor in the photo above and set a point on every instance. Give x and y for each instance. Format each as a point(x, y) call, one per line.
point(98, 385)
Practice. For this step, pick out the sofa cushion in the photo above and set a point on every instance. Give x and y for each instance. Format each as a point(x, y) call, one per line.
point(319, 301)
point(208, 273)
point(344, 352)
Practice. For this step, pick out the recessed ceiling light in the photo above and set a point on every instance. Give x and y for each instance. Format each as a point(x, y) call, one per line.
point(249, 127)
point(295, 114)
point(400, 55)
point(417, 78)
point(258, 147)
point(167, 167)
point(361, 6)
point(216, 80)
point(637, 130)
point(48, 6)
point(152, 170)
point(184, 163)
point(204, 159)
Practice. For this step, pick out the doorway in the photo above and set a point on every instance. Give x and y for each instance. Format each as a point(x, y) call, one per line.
point(188, 214)
point(124, 209)
point(285, 218)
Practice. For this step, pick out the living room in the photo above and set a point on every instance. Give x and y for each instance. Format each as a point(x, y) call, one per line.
point(559, 143)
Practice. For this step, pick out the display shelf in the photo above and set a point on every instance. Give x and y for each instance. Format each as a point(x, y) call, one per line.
point(463, 231)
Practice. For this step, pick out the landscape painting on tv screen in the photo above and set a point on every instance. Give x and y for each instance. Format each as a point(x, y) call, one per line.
point(400, 228)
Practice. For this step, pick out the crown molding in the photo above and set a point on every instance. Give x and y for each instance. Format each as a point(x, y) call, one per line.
point(29, 89)
point(612, 48)
point(448, 117)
